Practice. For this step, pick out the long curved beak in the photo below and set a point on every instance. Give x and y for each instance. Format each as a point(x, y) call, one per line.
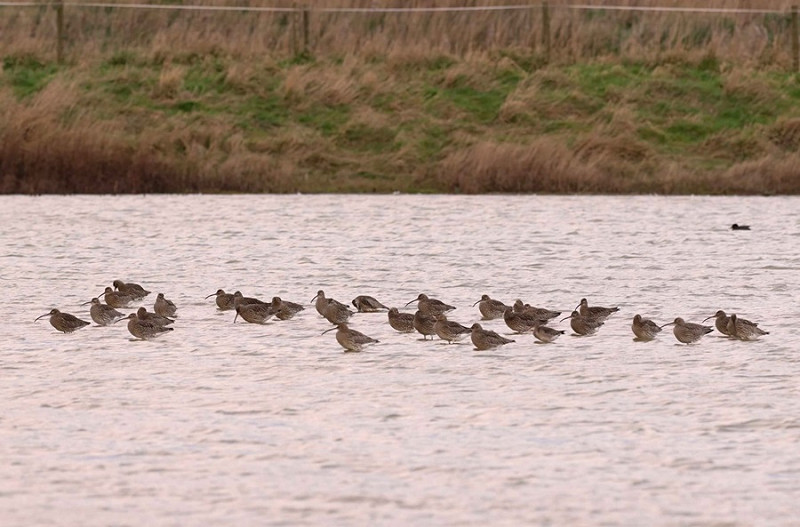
point(473, 305)
point(237, 316)
point(712, 316)
point(668, 324)
point(212, 294)
point(315, 297)
point(89, 302)
point(416, 299)
point(328, 330)
point(565, 318)
point(37, 318)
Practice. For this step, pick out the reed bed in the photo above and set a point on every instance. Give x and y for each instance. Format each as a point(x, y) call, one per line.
point(236, 101)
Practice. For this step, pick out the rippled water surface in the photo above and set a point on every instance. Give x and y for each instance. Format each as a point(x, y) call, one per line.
point(239, 424)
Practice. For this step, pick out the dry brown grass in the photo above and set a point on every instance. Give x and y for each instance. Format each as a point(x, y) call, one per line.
point(405, 37)
point(170, 81)
point(329, 86)
point(773, 175)
point(785, 134)
point(543, 166)
point(746, 84)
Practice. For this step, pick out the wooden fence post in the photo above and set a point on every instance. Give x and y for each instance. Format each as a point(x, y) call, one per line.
point(795, 42)
point(293, 30)
point(60, 31)
point(306, 23)
point(546, 30)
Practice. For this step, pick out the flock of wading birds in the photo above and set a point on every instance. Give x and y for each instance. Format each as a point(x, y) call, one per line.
point(429, 319)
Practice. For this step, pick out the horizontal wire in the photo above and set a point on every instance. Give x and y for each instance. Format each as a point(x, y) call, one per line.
point(583, 7)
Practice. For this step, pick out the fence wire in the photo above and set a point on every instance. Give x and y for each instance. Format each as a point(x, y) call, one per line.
point(377, 10)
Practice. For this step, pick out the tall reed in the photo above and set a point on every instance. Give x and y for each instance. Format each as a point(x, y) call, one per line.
point(574, 34)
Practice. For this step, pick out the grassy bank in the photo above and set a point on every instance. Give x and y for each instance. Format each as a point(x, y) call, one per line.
point(186, 119)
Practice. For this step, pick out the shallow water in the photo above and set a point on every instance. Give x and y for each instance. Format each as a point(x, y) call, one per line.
point(242, 424)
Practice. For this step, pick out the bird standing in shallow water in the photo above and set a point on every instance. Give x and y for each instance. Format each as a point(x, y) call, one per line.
point(284, 310)
point(64, 322)
point(321, 302)
point(583, 326)
point(164, 307)
point(490, 309)
point(254, 313)
point(539, 313)
point(431, 306)
point(546, 334)
point(224, 301)
point(337, 313)
point(520, 321)
point(144, 329)
point(134, 290)
point(117, 298)
point(596, 312)
point(688, 332)
point(720, 322)
point(644, 328)
point(239, 298)
point(350, 339)
point(153, 318)
point(423, 323)
point(402, 322)
point(485, 339)
point(743, 329)
point(103, 314)
point(449, 330)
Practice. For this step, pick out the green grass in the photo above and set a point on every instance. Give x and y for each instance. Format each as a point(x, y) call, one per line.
point(327, 120)
point(205, 78)
point(481, 105)
point(598, 80)
point(672, 112)
point(432, 141)
point(26, 75)
point(260, 113)
point(687, 132)
point(187, 106)
point(362, 138)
